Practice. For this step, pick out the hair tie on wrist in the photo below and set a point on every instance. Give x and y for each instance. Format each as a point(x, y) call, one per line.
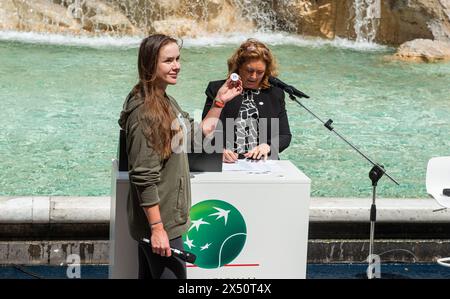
point(155, 223)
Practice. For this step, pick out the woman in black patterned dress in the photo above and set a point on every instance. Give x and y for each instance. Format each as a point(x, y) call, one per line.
point(257, 117)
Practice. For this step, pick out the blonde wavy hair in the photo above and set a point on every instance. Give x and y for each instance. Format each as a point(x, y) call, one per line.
point(253, 49)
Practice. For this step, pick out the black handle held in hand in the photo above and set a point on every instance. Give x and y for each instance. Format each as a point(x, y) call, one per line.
point(184, 255)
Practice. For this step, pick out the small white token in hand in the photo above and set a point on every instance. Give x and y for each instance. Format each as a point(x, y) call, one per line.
point(234, 77)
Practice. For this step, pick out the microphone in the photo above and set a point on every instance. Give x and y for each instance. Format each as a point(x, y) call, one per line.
point(287, 88)
point(184, 255)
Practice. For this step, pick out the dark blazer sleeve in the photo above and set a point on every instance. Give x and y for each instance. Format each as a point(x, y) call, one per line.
point(285, 131)
point(211, 92)
point(209, 100)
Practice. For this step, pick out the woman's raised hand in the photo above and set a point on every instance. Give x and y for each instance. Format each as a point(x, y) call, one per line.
point(229, 90)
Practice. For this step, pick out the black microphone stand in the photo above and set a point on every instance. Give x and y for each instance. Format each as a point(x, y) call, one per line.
point(375, 175)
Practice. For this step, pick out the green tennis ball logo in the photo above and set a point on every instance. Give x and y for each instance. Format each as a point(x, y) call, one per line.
point(217, 233)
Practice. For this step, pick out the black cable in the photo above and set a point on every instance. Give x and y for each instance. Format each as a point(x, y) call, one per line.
point(21, 269)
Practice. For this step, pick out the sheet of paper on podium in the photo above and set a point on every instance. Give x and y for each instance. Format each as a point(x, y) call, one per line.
point(253, 166)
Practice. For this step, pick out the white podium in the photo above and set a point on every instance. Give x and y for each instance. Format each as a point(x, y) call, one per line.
point(273, 204)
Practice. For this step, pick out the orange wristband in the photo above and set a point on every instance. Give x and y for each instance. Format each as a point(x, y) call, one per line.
point(219, 103)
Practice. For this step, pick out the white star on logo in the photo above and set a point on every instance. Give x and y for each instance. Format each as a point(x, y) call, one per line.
point(206, 246)
point(221, 214)
point(197, 223)
point(189, 243)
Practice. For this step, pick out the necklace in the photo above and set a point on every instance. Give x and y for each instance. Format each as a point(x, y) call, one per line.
point(251, 91)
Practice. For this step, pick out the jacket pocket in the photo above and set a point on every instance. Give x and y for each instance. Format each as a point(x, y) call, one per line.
point(182, 209)
point(181, 198)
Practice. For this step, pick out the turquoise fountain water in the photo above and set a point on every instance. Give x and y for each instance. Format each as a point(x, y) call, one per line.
point(60, 105)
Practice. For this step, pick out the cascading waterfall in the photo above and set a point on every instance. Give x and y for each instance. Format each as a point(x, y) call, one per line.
point(266, 14)
point(138, 17)
point(261, 14)
point(190, 18)
point(74, 9)
point(367, 18)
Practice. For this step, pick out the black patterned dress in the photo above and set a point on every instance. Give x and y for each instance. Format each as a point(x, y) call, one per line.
point(246, 130)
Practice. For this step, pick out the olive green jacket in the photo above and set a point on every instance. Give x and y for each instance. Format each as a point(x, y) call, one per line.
point(152, 179)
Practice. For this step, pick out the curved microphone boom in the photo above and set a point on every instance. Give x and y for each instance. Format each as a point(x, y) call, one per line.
point(287, 88)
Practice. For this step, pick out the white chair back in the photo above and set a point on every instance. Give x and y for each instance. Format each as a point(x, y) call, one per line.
point(438, 179)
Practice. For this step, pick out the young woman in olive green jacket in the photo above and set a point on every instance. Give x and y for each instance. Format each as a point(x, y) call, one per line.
point(160, 193)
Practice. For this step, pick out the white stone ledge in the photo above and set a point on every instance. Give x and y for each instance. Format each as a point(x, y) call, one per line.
point(93, 209)
point(388, 210)
point(55, 209)
point(79, 209)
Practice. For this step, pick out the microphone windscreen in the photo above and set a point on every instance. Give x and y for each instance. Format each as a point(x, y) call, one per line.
point(190, 257)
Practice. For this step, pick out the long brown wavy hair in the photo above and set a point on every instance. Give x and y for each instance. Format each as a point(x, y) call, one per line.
point(254, 49)
point(157, 114)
